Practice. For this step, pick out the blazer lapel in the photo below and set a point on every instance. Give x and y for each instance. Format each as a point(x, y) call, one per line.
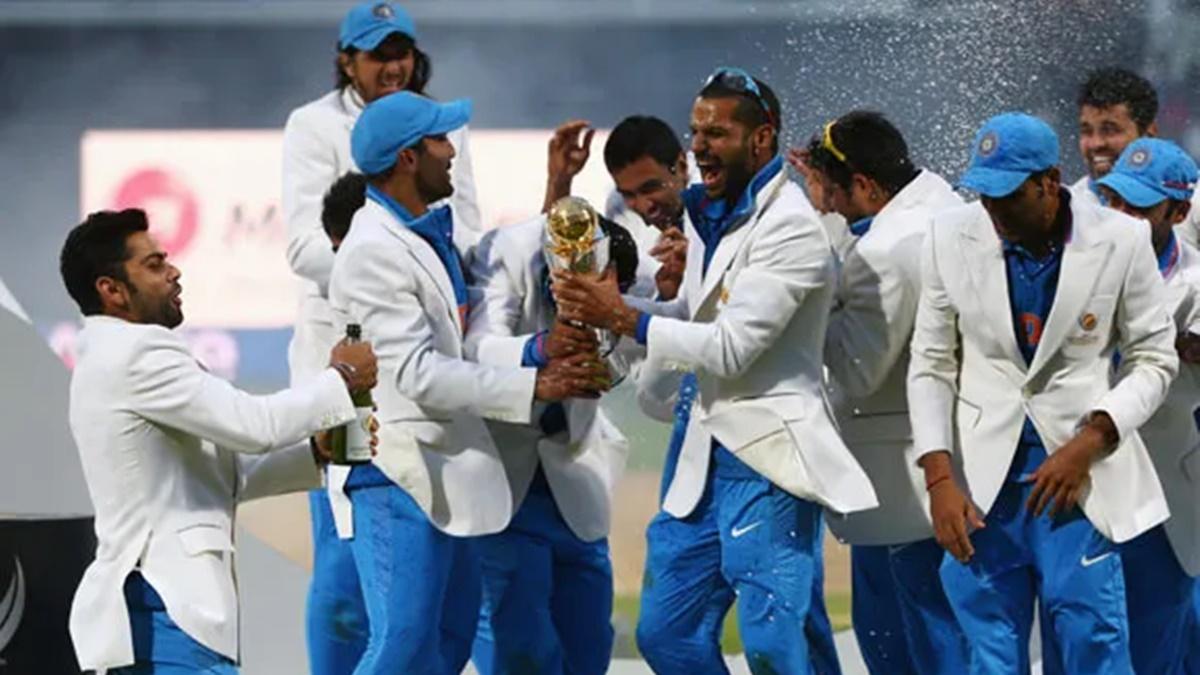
point(732, 242)
point(984, 259)
point(428, 261)
point(1083, 259)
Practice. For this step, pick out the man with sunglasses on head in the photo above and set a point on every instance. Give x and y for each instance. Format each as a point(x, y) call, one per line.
point(1028, 438)
point(1154, 181)
point(758, 451)
point(860, 162)
point(377, 54)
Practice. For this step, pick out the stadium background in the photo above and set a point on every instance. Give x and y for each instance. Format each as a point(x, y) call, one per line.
point(83, 82)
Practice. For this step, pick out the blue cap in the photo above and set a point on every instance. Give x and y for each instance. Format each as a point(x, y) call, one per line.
point(1151, 170)
point(368, 24)
point(397, 121)
point(1008, 149)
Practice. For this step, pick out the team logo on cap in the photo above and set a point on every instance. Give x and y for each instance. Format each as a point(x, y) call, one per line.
point(1139, 158)
point(988, 144)
point(383, 11)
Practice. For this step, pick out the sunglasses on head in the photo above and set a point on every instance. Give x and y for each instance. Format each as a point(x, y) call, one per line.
point(827, 143)
point(742, 82)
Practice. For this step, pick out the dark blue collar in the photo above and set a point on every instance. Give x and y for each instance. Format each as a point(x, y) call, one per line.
point(1169, 258)
point(394, 207)
point(860, 227)
point(714, 219)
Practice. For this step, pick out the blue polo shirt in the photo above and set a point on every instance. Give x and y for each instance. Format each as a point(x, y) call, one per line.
point(1032, 285)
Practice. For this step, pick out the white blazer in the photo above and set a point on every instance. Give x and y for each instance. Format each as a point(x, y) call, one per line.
point(1171, 435)
point(753, 331)
point(1110, 296)
point(168, 450)
point(316, 152)
point(866, 356)
point(1081, 192)
point(432, 441)
point(582, 465)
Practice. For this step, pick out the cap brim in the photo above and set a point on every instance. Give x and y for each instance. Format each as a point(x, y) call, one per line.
point(450, 116)
point(1132, 191)
point(369, 40)
point(994, 183)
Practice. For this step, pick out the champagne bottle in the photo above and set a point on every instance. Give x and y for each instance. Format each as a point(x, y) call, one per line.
point(351, 442)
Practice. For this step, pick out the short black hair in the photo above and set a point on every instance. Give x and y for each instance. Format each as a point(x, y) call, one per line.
point(641, 136)
point(872, 146)
point(96, 248)
point(396, 42)
point(750, 111)
point(344, 198)
point(622, 251)
point(1106, 87)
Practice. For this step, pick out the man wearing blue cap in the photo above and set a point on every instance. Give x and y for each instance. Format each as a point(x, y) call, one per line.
point(1033, 465)
point(438, 478)
point(377, 54)
point(737, 354)
point(1116, 107)
point(1154, 181)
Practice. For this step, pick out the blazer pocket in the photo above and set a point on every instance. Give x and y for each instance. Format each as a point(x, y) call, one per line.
point(967, 414)
point(1190, 464)
point(204, 538)
point(428, 433)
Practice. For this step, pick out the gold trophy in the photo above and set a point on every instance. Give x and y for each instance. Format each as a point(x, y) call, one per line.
point(575, 242)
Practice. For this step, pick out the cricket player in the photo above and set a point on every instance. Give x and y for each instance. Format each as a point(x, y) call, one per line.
point(1033, 465)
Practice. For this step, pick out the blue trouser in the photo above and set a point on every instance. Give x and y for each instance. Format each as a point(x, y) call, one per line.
point(1159, 600)
point(875, 612)
point(420, 584)
point(902, 619)
point(159, 646)
point(1193, 657)
point(745, 538)
point(1065, 564)
point(336, 618)
point(547, 595)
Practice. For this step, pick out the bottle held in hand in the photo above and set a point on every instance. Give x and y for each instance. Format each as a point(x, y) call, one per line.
point(351, 443)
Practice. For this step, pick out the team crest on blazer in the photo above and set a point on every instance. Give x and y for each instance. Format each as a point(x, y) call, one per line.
point(724, 295)
point(1088, 321)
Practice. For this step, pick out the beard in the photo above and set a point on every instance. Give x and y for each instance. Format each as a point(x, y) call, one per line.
point(434, 190)
point(158, 311)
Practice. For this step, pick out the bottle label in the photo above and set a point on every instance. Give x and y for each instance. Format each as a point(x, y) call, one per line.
point(358, 436)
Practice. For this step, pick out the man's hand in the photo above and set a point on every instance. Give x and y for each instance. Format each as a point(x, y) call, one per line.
point(356, 363)
point(954, 516)
point(671, 251)
point(1188, 346)
point(1063, 477)
point(594, 301)
point(798, 158)
point(564, 339)
point(576, 376)
point(570, 147)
